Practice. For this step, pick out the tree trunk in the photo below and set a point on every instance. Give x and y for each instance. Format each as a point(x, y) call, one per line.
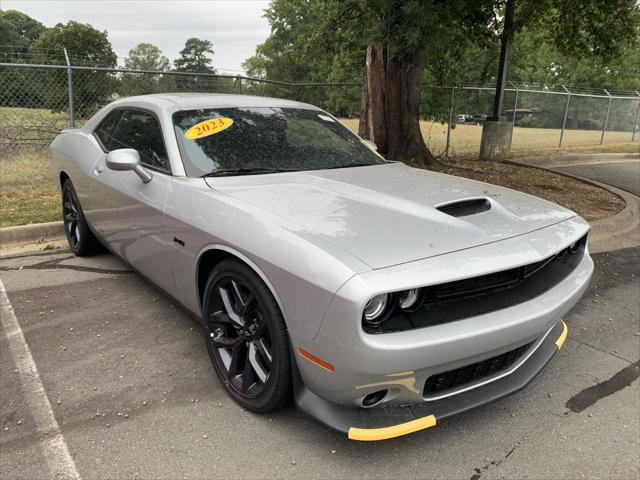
point(390, 107)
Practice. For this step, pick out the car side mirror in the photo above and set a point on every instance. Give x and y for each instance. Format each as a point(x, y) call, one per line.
point(125, 159)
point(371, 144)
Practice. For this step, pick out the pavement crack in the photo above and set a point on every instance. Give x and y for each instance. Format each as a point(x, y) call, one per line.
point(590, 395)
point(573, 339)
point(479, 471)
point(54, 264)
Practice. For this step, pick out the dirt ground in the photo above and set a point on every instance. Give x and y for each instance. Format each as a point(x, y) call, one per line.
point(588, 201)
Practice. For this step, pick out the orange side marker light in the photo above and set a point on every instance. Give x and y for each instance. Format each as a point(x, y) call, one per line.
point(316, 360)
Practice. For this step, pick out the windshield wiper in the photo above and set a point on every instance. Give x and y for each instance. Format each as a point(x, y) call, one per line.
point(245, 171)
point(352, 166)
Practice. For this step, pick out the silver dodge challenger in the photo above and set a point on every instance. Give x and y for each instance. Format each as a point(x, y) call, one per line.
point(381, 298)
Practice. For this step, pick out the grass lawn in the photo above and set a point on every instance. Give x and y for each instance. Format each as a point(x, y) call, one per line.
point(465, 140)
point(28, 193)
point(13, 115)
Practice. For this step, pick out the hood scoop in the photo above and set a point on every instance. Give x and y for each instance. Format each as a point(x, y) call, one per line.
point(464, 208)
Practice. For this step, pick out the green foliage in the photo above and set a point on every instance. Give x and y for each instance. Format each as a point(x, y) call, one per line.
point(308, 43)
point(591, 43)
point(195, 56)
point(18, 29)
point(145, 56)
point(17, 32)
point(87, 47)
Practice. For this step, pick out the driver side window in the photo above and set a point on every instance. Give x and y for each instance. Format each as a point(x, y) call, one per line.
point(138, 130)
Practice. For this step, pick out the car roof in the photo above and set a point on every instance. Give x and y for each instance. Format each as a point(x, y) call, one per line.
point(188, 101)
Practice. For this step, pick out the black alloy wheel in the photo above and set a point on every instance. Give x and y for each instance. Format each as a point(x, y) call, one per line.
point(246, 338)
point(70, 214)
point(81, 240)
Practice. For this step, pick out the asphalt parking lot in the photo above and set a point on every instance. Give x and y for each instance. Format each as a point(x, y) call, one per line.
point(624, 175)
point(133, 395)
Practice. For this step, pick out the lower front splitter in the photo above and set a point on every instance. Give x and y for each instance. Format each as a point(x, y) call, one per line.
point(381, 423)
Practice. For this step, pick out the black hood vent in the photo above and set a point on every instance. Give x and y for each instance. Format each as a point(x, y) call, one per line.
point(464, 208)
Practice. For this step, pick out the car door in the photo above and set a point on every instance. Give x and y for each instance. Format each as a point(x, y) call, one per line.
point(127, 213)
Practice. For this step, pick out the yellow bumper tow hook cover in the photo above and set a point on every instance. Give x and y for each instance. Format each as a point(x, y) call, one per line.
point(374, 434)
point(563, 335)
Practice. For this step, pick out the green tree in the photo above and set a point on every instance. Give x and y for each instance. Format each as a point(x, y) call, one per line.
point(305, 47)
point(195, 57)
point(403, 44)
point(17, 33)
point(18, 30)
point(144, 56)
point(86, 47)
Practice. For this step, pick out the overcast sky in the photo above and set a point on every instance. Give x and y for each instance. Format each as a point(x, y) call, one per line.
point(234, 27)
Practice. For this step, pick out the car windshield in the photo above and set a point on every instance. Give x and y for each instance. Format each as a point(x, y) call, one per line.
point(242, 141)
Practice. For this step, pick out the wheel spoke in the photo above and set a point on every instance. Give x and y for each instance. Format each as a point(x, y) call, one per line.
point(264, 351)
point(240, 298)
point(234, 364)
point(221, 317)
point(220, 341)
point(249, 304)
point(247, 376)
point(226, 300)
point(258, 369)
point(70, 206)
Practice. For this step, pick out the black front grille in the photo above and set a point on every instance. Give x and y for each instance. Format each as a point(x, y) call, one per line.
point(471, 297)
point(462, 376)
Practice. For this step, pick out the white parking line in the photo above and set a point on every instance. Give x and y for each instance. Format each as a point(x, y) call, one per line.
point(56, 454)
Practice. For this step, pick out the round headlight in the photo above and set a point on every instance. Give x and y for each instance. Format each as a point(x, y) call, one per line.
point(409, 299)
point(375, 308)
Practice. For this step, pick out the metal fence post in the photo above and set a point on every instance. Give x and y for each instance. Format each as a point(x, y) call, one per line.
point(72, 119)
point(513, 119)
point(238, 84)
point(606, 119)
point(635, 125)
point(566, 111)
point(446, 150)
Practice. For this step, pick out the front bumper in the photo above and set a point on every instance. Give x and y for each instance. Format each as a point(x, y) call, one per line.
point(388, 422)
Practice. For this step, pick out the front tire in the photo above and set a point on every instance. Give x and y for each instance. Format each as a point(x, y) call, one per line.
point(81, 240)
point(246, 338)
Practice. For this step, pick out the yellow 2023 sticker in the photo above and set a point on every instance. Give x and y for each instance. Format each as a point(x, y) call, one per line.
point(208, 127)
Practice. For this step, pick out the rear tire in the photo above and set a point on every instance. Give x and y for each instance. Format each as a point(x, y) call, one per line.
point(246, 338)
point(81, 240)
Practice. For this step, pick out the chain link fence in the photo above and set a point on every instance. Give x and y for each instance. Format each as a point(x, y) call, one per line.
point(37, 101)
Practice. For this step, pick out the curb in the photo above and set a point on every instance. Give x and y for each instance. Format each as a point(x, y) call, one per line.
point(610, 228)
point(625, 221)
point(575, 159)
point(30, 233)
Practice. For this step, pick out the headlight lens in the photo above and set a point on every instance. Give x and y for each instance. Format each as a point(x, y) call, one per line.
point(375, 309)
point(409, 299)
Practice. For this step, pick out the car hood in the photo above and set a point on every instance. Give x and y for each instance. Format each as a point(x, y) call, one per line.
point(386, 214)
